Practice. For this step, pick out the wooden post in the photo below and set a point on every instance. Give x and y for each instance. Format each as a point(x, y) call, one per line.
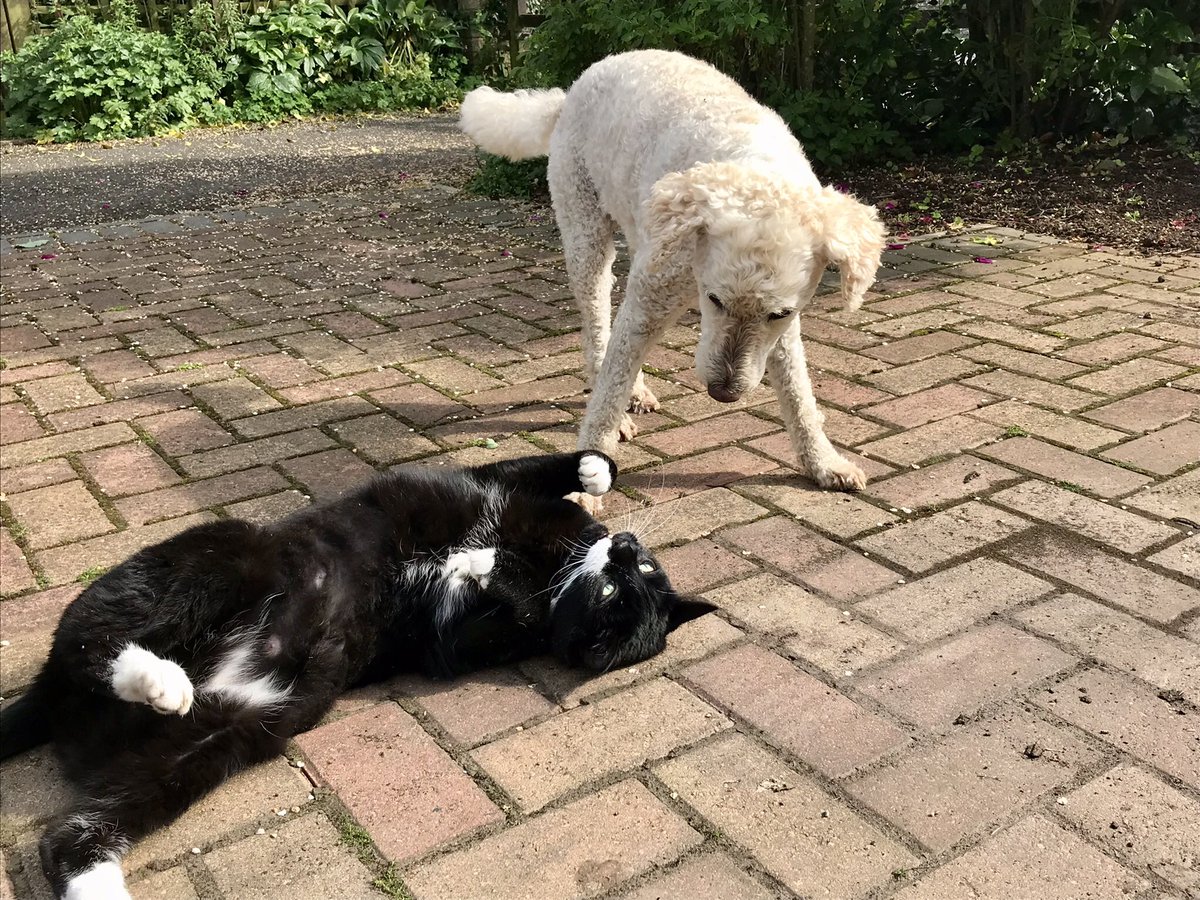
point(16, 24)
point(474, 39)
point(808, 45)
point(516, 9)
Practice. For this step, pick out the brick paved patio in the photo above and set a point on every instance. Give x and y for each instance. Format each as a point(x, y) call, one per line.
point(978, 678)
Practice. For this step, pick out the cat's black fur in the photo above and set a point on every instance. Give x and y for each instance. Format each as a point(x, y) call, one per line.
point(335, 595)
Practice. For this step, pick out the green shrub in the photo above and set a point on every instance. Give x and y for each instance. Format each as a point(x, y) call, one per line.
point(384, 55)
point(889, 77)
point(412, 86)
point(205, 38)
point(93, 80)
point(500, 177)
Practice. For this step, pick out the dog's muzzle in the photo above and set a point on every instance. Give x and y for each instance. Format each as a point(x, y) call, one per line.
point(722, 394)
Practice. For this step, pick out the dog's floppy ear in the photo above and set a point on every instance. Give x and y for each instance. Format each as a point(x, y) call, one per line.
point(853, 239)
point(675, 211)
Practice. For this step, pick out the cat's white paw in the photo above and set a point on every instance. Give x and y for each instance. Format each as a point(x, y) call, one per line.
point(138, 676)
point(457, 568)
point(594, 475)
point(103, 881)
point(470, 565)
point(481, 563)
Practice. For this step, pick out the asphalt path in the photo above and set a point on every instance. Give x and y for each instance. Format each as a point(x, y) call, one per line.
point(77, 186)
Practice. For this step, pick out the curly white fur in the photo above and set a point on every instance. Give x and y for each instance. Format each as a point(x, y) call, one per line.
point(716, 200)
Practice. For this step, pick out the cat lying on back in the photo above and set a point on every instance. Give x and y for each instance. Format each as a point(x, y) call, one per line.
point(202, 655)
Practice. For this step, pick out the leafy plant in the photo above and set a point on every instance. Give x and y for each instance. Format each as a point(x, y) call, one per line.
point(93, 80)
point(871, 78)
point(500, 177)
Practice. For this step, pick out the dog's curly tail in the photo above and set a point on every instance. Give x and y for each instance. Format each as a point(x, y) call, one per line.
point(516, 125)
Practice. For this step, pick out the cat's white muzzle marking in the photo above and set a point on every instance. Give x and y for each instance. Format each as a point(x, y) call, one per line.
point(138, 676)
point(103, 881)
point(592, 564)
point(594, 475)
point(597, 557)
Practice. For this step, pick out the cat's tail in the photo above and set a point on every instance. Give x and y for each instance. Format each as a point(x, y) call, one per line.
point(24, 724)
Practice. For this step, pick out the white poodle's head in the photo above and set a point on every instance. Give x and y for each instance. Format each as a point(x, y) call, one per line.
point(757, 246)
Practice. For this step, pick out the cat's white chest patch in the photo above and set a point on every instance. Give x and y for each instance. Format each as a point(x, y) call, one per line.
point(234, 680)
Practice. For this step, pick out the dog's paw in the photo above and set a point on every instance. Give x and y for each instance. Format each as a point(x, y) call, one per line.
point(594, 474)
point(627, 430)
point(838, 474)
point(138, 676)
point(643, 400)
point(593, 506)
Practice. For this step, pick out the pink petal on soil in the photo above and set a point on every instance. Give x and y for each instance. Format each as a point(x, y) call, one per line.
point(976, 184)
point(891, 204)
point(506, 253)
point(49, 256)
point(896, 246)
point(984, 260)
point(842, 188)
point(106, 206)
point(383, 215)
point(925, 220)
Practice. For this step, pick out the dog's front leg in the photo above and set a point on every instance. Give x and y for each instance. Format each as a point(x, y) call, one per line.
point(789, 375)
point(633, 333)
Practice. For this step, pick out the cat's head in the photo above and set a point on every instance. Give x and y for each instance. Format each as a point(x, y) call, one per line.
point(613, 605)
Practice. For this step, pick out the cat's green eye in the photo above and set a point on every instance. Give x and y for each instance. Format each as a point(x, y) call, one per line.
point(608, 590)
point(646, 567)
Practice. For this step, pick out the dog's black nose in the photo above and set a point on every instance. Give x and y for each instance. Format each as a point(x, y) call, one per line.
point(722, 394)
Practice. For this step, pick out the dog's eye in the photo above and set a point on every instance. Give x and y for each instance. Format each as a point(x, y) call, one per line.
point(716, 301)
point(782, 314)
point(608, 590)
point(646, 567)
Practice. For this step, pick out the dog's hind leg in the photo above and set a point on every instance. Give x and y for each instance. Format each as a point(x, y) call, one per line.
point(789, 374)
point(587, 237)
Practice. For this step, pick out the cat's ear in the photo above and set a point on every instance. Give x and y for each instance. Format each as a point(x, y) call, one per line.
point(686, 609)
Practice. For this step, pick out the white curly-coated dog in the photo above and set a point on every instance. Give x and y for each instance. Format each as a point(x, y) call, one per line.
point(721, 210)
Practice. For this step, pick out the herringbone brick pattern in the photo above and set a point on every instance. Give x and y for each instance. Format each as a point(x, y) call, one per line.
point(980, 677)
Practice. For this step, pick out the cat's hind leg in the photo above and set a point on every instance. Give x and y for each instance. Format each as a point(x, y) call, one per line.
point(138, 676)
point(142, 790)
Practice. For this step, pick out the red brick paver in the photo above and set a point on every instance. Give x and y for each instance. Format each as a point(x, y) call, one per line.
point(979, 675)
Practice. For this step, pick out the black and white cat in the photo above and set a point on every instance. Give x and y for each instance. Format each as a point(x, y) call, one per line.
point(202, 655)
